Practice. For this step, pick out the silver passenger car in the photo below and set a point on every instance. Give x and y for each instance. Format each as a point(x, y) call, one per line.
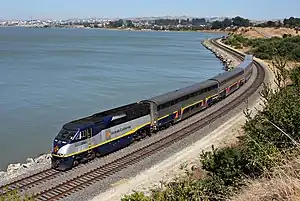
point(247, 65)
point(176, 105)
point(229, 81)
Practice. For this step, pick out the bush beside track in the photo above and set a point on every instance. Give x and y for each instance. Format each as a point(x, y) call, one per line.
point(270, 140)
point(265, 48)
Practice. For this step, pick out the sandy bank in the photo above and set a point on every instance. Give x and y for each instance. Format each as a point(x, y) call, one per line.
point(261, 32)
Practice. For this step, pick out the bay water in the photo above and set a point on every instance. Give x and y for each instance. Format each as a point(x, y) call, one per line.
point(52, 76)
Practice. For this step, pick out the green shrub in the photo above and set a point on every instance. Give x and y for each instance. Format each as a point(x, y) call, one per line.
point(241, 39)
point(272, 131)
point(136, 196)
point(185, 188)
point(296, 53)
point(15, 196)
point(227, 163)
point(261, 153)
point(265, 48)
point(295, 78)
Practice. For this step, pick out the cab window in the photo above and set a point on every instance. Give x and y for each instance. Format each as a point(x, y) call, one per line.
point(81, 135)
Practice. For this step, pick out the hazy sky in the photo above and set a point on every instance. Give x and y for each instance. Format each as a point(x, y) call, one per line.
point(64, 9)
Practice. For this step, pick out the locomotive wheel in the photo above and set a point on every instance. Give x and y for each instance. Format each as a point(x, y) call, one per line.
point(75, 163)
point(144, 134)
point(92, 156)
point(98, 154)
point(55, 164)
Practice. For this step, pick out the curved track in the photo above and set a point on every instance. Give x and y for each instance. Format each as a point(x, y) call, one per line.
point(86, 179)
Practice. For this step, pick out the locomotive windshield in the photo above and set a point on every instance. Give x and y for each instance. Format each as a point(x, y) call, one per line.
point(65, 135)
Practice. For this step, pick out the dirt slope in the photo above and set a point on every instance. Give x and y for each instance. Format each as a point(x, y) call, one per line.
point(259, 32)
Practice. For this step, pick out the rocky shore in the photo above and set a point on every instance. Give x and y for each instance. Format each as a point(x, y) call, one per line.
point(32, 165)
point(228, 61)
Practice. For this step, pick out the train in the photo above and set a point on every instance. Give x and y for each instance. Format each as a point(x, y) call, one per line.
point(81, 140)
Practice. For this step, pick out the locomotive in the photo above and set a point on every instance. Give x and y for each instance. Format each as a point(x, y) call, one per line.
point(84, 139)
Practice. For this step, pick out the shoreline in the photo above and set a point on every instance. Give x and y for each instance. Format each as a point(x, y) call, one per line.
point(125, 29)
point(153, 30)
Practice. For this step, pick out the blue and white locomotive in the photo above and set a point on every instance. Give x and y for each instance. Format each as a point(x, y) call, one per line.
point(83, 139)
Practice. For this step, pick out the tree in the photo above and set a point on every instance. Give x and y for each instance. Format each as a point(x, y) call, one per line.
point(129, 24)
point(270, 24)
point(217, 25)
point(239, 21)
point(198, 21)
point(116, 24)
point(291, 22)
point(227, 22)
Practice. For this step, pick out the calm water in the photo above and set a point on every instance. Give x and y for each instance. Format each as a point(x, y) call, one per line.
point(51, 76)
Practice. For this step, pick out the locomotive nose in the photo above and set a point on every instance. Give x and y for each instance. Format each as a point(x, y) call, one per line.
point(57, 144)
point(55, 149)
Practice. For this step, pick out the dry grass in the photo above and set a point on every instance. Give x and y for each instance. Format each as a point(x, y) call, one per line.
point(259, 32)
point(249, 32)
point(278, 32)
point(283, 183)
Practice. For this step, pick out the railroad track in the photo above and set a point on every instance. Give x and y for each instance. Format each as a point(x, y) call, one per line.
point(236, 54)
point(25, 183)
point(88, 178)
point(28, 182)
point(82, 181)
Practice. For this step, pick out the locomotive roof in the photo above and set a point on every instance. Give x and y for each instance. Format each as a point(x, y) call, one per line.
point(166, 97)
point(99, 117)
point(225, 75)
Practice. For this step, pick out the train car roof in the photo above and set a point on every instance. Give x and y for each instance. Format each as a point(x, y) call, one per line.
point(166, 97)
point(99, 117)
point(245, 63)
point(225, 75)
point(248, 57)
